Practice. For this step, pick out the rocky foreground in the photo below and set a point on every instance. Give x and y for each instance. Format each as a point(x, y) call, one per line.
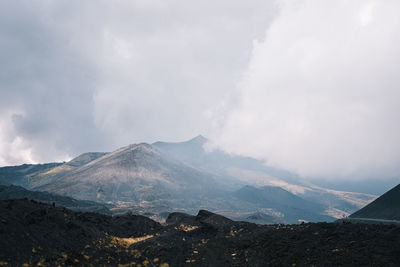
point(33, 233)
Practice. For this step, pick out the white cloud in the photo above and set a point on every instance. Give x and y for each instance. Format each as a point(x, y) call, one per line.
point(320, 96)
point(367, 12)
point(12, 146)
point(95, 75)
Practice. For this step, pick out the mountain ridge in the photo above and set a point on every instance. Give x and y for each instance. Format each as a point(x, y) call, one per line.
point(18, 192)
point(183, 177)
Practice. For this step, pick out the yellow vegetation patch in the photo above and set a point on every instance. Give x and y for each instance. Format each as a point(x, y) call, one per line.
point(50, 173)
point(127, 242)
point(126, 265)
point(86, 257)
point(58, 169)
point(186, 228)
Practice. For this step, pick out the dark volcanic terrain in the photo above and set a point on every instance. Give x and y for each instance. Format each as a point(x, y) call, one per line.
point(386, 207)
point(39, 234)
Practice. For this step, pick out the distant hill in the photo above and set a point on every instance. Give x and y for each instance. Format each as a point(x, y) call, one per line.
point(18, 192)
point(293, 208)
point(23, 174)
point(386, 207)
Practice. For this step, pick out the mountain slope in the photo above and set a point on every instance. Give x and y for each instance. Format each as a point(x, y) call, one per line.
point(23, 174)
point(18, 192)
point(193, 152)
point(85, 158)
point(386, 207)
point(50, 175)
point(165, 177)
point(254, 172)
point(134, 173)
point(293, 208)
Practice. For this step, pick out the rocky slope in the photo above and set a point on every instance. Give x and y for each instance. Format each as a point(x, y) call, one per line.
point(22, 175)
point(134, 174)
point(38, 234)
point(386, 207)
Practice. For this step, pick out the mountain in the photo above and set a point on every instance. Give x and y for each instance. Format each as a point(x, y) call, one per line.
point(28, 175)
point(292, 208)
point(143, 175)
point(85, 158)
point(134, 173)
point(23, 174)
point(250, 171)
point(155, 179)
point(386, 207)
point(273, 195)
point(193, 152)
point(37, 234)
point(18, 192)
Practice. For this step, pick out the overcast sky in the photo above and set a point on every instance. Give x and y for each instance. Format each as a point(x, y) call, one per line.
point(308, 85)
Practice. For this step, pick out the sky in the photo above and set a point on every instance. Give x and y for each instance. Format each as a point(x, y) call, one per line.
point(309, 86)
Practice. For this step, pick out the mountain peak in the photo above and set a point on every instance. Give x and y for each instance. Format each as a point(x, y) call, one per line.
point(140, 146)
point(199, 139)
point(85, 158)
point(135, 149)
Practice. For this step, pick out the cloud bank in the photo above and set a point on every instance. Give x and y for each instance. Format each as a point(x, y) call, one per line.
point(310, 86)
point(95, 75)
point(321, 93)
